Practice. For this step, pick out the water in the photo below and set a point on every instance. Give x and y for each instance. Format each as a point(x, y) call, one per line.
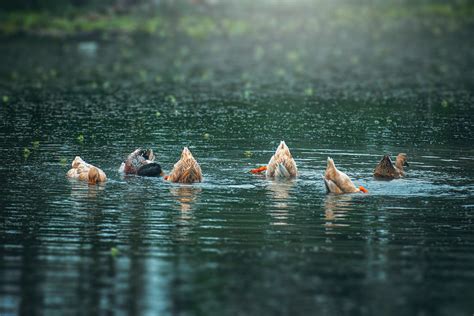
point(237, 243)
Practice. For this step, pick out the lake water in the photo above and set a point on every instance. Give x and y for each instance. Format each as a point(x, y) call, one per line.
point(238, 244)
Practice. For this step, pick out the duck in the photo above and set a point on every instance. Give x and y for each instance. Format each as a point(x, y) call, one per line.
point(338, 182)
point(186, 170)
point(86, 172)
point(141, 162)
point(386, 169)
point(281, 164)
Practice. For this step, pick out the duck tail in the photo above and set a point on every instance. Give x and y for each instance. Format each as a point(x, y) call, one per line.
point(330, 169)
point(326, 185)
point(77, 162)
point(283, 150)
point(281, 171)
point(93, 175)
point(186, 153)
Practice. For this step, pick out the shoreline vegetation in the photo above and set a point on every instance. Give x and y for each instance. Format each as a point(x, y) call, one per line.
point(310, 48)
point(201, 20)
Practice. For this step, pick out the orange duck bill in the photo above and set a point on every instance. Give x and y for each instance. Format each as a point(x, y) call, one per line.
point(363, 190)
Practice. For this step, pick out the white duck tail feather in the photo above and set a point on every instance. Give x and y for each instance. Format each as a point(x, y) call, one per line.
point(281, 172)
point(331, 187)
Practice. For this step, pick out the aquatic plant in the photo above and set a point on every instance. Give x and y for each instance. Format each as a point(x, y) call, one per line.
point(26, 153)
point(171, 99)
point(143, 74)
point(114, 252)
point(63, 161)
point(204, 25)
point(309, 92)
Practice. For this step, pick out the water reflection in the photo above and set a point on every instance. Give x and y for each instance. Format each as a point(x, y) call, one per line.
point(335, 210)
point(279, 192)
point(186, 197)
point(88, 49)
point(81, 190)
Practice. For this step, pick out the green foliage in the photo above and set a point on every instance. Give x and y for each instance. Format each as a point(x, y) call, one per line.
point(55, 5)
point(198, 27)
point(114, 252)
point(26, 153)
point(63, 162)
point(171, 99)
point(72, 20)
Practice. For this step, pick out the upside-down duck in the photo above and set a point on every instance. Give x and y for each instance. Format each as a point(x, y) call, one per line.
point(338, 182)
point(86, 172)
point(281, 164)
point(386, 169)
point(141, 162)
point(186, 170)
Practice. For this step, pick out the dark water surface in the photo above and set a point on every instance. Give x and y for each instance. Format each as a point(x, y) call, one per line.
point(238, 244)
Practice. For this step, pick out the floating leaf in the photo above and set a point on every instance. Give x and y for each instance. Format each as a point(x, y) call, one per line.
point(444, 104)
point(80, 139)
point(248, 153)
point(293, 56)
point(158, 114)
point(143, 74)
point(309, 92)
point(35, 144)
point(280, 72)
point(114, 252)
point(171, 99)
point(5, 99)
point(26, 153)
point(63, 162)
point(206, 135)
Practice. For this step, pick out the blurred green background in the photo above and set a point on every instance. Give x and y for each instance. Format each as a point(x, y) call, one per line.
point(208, 17)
